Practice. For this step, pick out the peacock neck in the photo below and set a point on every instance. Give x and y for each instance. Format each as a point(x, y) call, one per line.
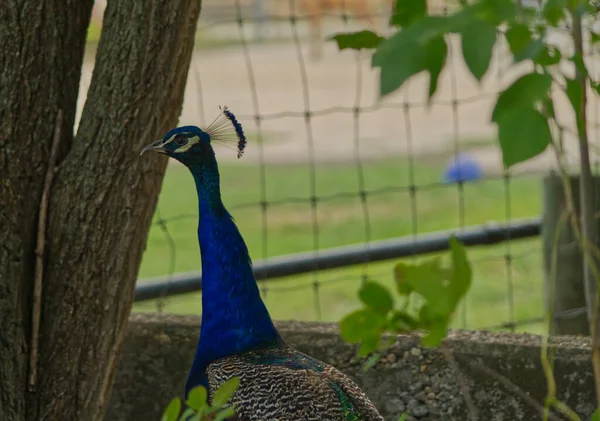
point(234, 317)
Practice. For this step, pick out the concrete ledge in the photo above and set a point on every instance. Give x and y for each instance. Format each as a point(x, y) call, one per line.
point(427, 384)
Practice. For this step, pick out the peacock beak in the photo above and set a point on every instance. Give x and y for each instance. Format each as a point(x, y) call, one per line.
point(156, 146)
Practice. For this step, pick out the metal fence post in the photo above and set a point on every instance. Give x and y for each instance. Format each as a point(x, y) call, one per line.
point(569, 290)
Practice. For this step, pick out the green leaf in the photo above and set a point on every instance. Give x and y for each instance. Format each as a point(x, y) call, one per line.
point(172, 411)
point(357, 40)
point(461, 275)
point(426, 315)
point(518, 36)
point(188, 413)
point(437, 50)
point(441, 288)
point(225, 392)
point(408, 11)
point(197, 398)
point(575, 95)
point(529, 12)
point(548, 56)
point(369, 343)
point(532, 51)
point(358, 324)
point(495, 11)
point(596, 415)
point(404, 59)
point(410, 51)
point(427, 279)
point(402, 322)
point(522, 43)
point(523, 133)
point(225, 413)
point(554, 11)
point(376, 297)
point(436, 333)
point(594, 37)
point(478, 40)
point(400, 272)
point(403, 417)
point(524, 92)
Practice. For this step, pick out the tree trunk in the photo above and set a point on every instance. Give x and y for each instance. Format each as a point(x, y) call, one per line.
point(103, 195)
point(41, 55)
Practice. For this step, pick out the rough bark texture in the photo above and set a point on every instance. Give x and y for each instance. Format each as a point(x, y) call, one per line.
point(103, 195)
point(40, 65)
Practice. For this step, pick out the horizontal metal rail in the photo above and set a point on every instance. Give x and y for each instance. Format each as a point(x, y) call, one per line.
point(376, 251)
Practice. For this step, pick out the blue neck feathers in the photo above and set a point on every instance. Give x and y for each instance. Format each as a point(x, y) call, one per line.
point(234, 317)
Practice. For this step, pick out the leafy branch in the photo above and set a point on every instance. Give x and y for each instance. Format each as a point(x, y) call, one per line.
point(431, 294)
point(524, 112)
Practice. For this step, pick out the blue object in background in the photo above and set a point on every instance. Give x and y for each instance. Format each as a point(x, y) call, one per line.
point(462, 167)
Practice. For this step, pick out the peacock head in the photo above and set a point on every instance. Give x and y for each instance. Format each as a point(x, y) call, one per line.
point(186, 144)
point(189, 144)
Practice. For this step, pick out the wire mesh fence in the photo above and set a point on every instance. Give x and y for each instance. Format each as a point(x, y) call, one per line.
point(329, 164)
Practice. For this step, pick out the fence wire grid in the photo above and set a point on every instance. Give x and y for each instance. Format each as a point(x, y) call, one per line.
point(329, 164)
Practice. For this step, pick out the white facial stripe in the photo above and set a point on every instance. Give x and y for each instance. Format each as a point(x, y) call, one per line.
point(185, 147)
point(191, 141)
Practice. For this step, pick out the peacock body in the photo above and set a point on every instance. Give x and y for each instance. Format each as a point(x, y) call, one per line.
point(237, 336)
point(280, 383)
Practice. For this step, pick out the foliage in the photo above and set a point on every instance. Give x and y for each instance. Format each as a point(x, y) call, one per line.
point(430, 292)
point(523, 111)
point(198, 408)
point(358, 40)
point(524, 114)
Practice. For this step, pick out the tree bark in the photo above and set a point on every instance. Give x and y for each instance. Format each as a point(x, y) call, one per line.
point(40, 58)
point(103, 195)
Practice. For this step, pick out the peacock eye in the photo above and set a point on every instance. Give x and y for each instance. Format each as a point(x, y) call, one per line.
point(180, 140)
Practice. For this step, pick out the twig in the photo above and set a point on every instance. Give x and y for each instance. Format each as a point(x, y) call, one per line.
point(39, 254)
point(570, 215)
point(508, 384)
point(544, 359)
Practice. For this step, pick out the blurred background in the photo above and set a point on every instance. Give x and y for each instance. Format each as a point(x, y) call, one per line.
point(331, 170)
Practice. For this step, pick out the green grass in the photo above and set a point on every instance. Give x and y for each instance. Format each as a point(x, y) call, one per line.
point(289, 229)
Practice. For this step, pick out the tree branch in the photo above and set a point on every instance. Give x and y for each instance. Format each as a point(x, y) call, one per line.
point(103, 200)
point(39, 253)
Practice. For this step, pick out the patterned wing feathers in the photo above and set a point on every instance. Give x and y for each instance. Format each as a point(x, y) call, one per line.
point(286, 385)
point(362, 403)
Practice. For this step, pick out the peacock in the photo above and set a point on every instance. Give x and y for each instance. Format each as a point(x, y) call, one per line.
point(237, 334)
